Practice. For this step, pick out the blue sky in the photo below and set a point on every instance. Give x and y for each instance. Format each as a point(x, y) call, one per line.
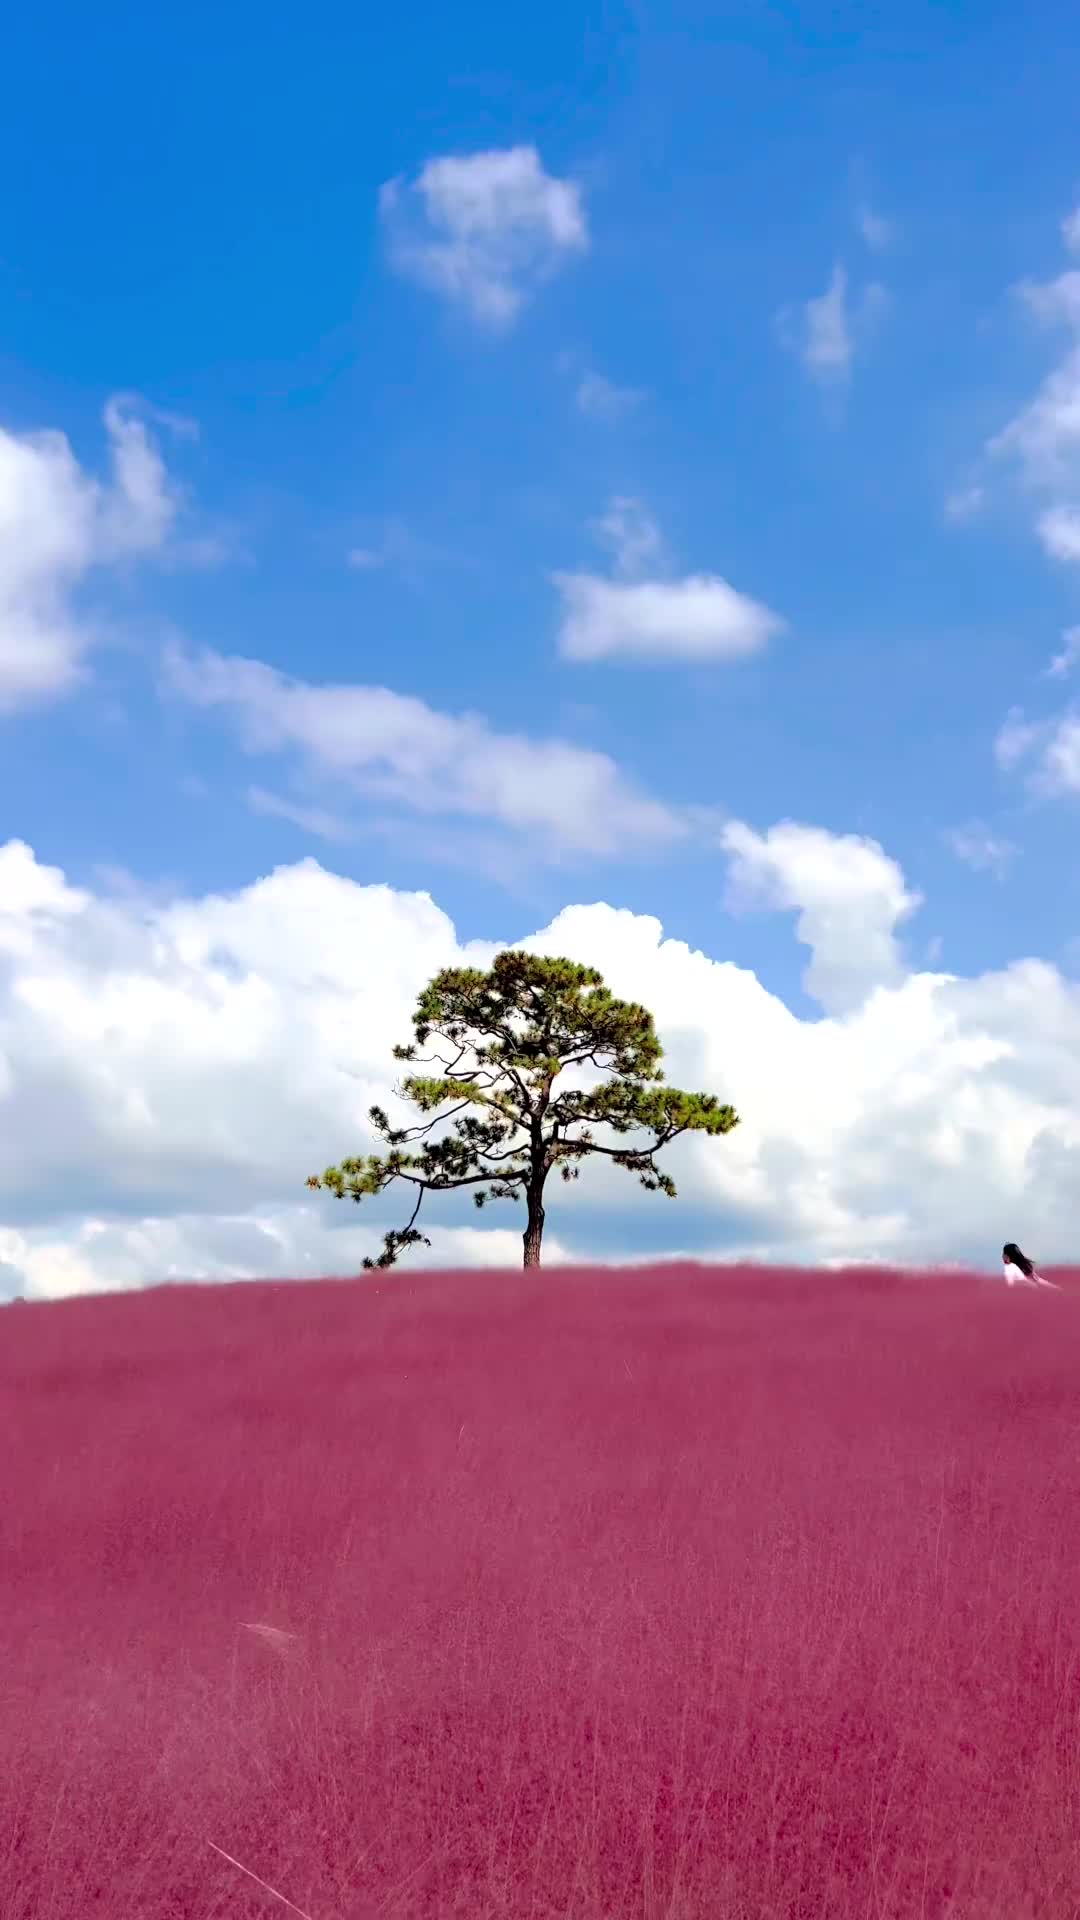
point(389, 478)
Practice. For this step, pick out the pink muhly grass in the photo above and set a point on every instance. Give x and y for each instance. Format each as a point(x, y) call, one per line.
point(647, 1595)
point(272, 1891)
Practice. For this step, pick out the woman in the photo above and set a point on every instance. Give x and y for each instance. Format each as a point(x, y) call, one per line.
point(1019, 1270)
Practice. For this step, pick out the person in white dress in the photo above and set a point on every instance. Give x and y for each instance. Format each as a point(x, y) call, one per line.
point(1020, 1271)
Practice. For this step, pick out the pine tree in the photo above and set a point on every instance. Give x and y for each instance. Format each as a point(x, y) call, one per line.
point(500, 1043)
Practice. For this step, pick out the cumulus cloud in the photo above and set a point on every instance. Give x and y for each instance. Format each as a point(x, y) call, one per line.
point(849, 895)
point(567, 799)
point(59, 525)
point(484, 229)
point(643, 617)
point(697, 619)
point(173, 1067)
point(111, 1255)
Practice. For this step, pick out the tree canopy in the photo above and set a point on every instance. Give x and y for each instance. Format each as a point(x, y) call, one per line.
point(532, 1066)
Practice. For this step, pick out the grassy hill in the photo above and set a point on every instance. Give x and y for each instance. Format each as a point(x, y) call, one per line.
point(653, 1594)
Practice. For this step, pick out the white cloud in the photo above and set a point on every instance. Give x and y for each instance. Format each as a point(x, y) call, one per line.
point(566, 799)
point(965, 503)
point(137, 511)
point(696, 618)
point(601, 399)
point(172, 1069)
point(1064, 661)
point(1060, 768)
point(484, 229)
point(631, 535)
point(390, 543)
point(1070, 231)
point(1042, 440)
point(58, 524)
point(285, 1242)
point(1044, 436)
point(316, 821)
point(1053, 302)
point(876, 232)
point(1051, 747)
point(1059, 531)
point(978, 847)
point(849, 895)
point(828, 348)
point(1015, 739)
point(828, 328)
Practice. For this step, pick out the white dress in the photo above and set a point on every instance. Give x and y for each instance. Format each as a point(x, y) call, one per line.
point(1016, 1277)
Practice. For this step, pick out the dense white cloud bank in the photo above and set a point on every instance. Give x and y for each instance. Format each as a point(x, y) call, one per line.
point(170, 1073)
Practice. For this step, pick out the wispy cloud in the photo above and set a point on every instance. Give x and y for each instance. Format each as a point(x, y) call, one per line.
point(981, 849)
point(631, 535)
point(1044, 436)
point(828, 346)
point(316, 821)
point(965, 503)
point(599, 398)
point(876, 232)
point(1015, 739)
point(1066, 658)
point(826, 330)
point(1042, 440)
point(1051, 749)
point(566, 800)
point(1058, 529)
point(390, 544)
point(1060, 768)
point(484, 229)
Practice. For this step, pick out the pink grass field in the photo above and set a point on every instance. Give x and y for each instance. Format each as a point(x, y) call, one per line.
point(657, 1594)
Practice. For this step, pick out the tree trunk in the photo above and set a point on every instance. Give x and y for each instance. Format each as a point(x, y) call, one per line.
point(534, 1232)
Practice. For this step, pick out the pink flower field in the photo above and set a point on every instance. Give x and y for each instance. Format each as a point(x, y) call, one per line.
point(644, 1594)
